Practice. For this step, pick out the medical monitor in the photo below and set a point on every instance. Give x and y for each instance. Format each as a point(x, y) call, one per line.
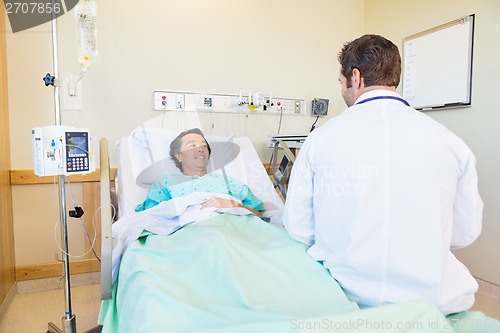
point(280, 173)
point(61, 150)
point(77, 152)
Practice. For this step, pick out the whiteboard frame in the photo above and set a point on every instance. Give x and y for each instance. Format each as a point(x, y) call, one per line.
point(423, 86)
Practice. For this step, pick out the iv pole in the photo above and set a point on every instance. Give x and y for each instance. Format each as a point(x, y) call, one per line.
point(69, 319)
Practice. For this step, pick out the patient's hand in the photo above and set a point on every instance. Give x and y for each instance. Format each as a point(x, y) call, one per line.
point(220, 203)
point(227, 203)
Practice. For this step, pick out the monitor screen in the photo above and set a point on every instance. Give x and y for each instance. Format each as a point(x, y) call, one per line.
point(282, 175)
point(282, 168)
point(77, 152)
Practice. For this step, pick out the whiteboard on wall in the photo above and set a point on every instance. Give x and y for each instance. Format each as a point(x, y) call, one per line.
point(437, 66)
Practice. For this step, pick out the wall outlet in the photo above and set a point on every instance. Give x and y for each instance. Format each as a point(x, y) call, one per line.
point(180, 102)
point(72, 92)
point(296, 107)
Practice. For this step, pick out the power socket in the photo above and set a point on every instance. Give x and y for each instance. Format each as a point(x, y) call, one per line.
point(297, 107)
point(72, 93)
point(180, 102)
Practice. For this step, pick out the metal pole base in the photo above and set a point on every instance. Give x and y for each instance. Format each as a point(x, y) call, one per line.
point(53, 329)
point(68, 324)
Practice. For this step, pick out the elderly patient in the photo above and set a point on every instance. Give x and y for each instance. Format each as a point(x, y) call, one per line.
point(190, 152)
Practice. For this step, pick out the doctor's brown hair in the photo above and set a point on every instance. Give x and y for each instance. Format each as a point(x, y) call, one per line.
point(377, 59)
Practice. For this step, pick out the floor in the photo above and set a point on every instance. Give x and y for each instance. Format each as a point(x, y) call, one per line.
point(31, 312)
point(488, 299)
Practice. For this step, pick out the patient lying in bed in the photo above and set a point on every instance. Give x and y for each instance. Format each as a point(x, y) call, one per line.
point(179, 199)
point(190, 152)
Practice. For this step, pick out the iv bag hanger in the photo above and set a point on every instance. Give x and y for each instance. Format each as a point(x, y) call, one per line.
point(69, 319)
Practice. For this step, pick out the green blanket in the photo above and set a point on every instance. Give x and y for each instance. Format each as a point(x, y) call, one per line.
point(240, 274)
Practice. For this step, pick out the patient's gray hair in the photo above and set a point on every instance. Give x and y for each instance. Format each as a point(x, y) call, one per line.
point(176, 144)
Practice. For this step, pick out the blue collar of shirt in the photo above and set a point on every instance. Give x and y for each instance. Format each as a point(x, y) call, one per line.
point(380, 94)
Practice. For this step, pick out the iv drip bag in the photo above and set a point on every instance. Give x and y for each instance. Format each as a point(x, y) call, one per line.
point(85, 15)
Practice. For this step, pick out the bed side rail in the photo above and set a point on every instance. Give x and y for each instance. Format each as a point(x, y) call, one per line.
point(106, 221)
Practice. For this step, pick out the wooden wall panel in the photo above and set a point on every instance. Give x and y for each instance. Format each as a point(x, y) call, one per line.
point(55, 269)
point(28, 177)
point(91, 204)
point(7, 258)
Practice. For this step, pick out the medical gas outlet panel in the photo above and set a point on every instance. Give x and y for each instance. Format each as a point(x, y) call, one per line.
point(251, 103)
point(61, 150)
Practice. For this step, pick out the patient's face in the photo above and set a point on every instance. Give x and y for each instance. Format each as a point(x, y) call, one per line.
point(193, 155)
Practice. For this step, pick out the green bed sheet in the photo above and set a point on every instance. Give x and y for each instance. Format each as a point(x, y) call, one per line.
point(239, 274)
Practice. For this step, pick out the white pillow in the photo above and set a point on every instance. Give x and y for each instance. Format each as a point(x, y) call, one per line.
point(147, 145)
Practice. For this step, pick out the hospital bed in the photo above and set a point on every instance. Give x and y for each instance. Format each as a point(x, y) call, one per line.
point(229, 273)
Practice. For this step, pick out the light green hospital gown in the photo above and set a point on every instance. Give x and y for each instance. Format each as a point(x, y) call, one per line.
point(178, 185)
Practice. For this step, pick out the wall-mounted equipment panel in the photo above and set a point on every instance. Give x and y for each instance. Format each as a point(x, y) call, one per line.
point(252, 103)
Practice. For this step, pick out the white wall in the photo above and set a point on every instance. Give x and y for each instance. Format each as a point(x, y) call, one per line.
point(477, 125)
point(288, 47)
point(222, 46)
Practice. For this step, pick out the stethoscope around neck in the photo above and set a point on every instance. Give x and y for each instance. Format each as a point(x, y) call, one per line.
point(396, 98)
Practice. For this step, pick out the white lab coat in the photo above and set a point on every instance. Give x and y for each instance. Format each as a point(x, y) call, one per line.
point(381, 193)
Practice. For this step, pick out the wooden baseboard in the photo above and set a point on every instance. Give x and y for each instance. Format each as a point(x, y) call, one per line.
point(27, 177)
point(40, 271)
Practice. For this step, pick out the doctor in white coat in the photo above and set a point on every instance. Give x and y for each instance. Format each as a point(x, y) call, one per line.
point(382, 192)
